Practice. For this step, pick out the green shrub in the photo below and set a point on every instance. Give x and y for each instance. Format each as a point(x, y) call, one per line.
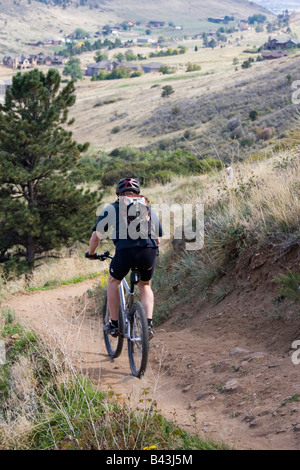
point(192, 67)
point(289, 285)
point(164, 69)
point(167, 91)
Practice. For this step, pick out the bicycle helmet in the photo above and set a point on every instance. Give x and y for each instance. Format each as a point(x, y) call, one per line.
point(128, 184)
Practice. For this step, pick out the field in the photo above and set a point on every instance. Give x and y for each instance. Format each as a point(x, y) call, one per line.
point(143, 118)
point(35, 22)
point(22, 21)
point(131, 112)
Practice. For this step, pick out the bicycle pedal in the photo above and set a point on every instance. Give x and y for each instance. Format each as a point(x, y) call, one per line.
point(112, 330)
point(151, 333)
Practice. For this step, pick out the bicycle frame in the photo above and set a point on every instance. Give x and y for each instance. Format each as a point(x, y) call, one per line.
point(128, 291)
point(132, 317)
point(135, 277)
point(124, 288)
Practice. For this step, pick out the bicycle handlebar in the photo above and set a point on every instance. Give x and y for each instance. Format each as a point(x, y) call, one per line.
point(101, 257)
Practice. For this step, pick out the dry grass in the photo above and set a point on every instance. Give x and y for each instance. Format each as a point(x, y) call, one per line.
point(48, 402)
point(259, 204)
point(263, 196)
point(138, 102)
point(55, 272)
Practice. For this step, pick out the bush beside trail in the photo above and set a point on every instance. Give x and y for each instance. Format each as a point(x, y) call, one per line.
point(149, 166)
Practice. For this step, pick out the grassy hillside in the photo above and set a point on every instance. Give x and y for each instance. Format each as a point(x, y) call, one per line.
point(211, 110)
point(22, 21)
point(181, 12)
point(199, 115)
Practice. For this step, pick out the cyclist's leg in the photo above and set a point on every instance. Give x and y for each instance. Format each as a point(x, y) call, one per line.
point(147, 297)
point(146, 265)
point(113, 297)
point(147, 300)
point(118, 269)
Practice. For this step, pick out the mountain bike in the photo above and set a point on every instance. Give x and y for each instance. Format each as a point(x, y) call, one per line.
point(133, 324)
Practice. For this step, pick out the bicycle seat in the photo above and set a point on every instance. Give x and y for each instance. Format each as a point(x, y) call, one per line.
point(135, 276)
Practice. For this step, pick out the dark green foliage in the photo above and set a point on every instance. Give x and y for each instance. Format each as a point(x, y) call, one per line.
point(253, 114)
point(148, 166)
point(121, 71)
point(169, 52)
point(72, 48)
point(164, 69)
point(40, 207)
point(167, 91)
point(258, 18)
point(63, 3)
point(247, 63)
point(289, 284)
point(73, 69)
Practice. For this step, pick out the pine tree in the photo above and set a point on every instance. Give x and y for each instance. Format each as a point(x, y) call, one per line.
point(41, 210)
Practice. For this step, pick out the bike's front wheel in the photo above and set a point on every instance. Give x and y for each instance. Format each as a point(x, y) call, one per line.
point(138, 340)
point(113, 344)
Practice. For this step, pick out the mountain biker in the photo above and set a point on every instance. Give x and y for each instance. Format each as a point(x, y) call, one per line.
point(132, 250)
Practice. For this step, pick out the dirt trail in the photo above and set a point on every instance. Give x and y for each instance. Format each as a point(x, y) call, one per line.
point(222, 382)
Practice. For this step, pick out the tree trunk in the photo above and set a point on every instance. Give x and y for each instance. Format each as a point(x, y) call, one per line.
point(30, 255)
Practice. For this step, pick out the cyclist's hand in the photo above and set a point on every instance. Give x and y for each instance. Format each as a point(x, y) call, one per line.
point(91, 257)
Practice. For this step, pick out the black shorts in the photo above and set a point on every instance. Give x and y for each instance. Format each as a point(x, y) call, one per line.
point(144, 259)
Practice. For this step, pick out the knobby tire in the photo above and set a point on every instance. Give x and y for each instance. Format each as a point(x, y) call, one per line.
point(113, 345)
point(138, 343)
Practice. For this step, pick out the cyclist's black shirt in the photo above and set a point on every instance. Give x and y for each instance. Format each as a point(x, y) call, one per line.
point(110, 218)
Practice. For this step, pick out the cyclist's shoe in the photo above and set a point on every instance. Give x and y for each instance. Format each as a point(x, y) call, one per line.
point(150, 332)
point(111, 329)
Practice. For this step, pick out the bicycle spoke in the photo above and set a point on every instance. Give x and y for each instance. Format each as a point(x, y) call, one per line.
point(138, 342)
point(113, 345)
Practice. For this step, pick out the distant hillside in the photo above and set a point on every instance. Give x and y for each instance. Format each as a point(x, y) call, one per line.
point(295, 19)
point(137, 10)
point(219, 120)
point(224, 113)
point(25, 20)
point(182, 11)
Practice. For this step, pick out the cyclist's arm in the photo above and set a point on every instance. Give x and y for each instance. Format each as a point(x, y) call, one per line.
point(156, 228)
point(105, 220)
point(94, 242)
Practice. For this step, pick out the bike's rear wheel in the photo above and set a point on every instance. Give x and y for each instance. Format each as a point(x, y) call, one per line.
point(138, 342)
point(113, 345)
